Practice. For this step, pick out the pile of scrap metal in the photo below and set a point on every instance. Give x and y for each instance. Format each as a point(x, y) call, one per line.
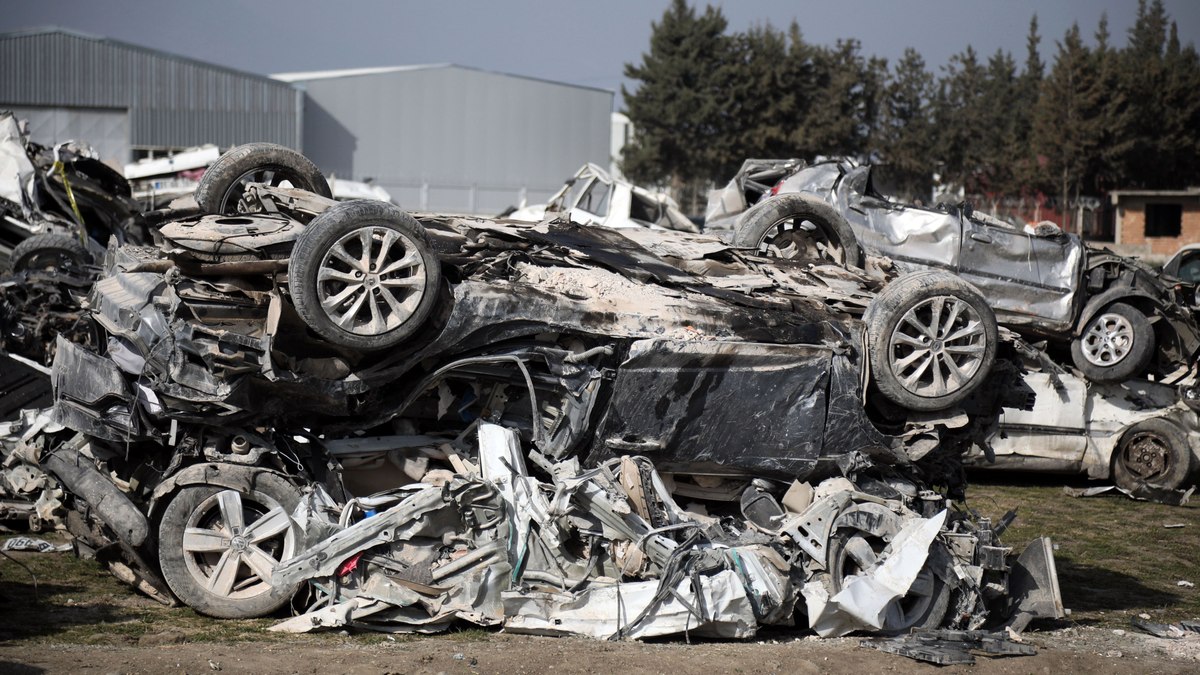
point(286, 393)
point(39, 304)
point(1115, 383)
point(61, 198)
point(608, 553)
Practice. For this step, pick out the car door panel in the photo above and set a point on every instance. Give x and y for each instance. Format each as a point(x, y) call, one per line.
point(1051, 434)
point(1028, 280)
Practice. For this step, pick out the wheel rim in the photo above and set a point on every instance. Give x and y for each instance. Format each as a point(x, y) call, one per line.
point(1107, 340)
point(861, 552)
point(232, 543)
point(1147, 456)
point(937, 346)
point(270, 174)
point(371, 281)
point(798, 238)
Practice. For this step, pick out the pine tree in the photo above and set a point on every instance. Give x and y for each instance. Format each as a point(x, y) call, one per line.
point(843, 102)
point(999, 149)
point(764, 101)
point(961, 120)
point(1069, 120)
point(1108, 171)
point(906, 133)
point(1142, 79)
point(1025, 166)
point(679, 110)
point(1179, 138)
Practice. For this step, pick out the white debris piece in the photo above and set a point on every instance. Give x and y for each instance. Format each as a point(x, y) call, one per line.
point(868, 600)
point(34, 545)
point(607, 611)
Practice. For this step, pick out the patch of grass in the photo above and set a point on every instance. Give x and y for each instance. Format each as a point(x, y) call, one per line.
point(468, 633)
point(79, 602)
point(1115, 557)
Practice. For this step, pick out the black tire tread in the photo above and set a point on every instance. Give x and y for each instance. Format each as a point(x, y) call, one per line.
point(174, 568)
point(1181, 469)
point(1134, 363)
point(933, 616)
point(48, 240)
point(230, 166)
point(756, 222)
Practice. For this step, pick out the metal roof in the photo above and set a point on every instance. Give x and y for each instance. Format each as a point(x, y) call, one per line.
point(380, 70)
point(58, 30)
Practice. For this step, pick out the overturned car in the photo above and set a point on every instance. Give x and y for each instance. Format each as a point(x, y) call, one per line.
point(1117, 318)
point(426, 418)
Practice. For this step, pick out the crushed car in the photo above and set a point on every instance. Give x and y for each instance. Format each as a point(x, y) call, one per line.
point(593, 197)
point(1115, 316)
point(59, 198)
point(427, 418)
point(1142, 435)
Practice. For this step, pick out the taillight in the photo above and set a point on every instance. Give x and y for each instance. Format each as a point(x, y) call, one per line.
point(775, 189)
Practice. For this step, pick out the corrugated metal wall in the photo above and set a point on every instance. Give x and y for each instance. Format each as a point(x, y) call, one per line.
point(449, 138)
point(172, 101)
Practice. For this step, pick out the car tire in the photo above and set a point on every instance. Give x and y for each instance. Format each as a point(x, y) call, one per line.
point(1114, 345)
point(218, 569)
point(907, 333)
point(1155, 453)
point(925, 605)
point(333, 283)
point(224, 183)
point(50, 251)
point(775, 228)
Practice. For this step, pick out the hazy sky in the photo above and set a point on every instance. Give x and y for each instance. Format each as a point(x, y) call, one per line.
point(566, 40)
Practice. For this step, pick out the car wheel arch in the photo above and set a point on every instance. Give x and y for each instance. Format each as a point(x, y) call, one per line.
point(216, 474)
point(756, 223)
point(1139, 299)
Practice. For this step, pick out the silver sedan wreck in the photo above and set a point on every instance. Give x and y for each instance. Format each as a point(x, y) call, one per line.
point(1116, 317)
point(423, 419)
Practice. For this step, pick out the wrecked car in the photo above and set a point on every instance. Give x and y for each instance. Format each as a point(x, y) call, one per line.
point(59, 199)
point(1142, 435)
point(291, 391)
point(1184, 265)
point(593, 197)
point(1116, 317)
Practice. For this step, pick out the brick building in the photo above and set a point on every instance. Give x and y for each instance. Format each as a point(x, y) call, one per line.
point(1155, 223)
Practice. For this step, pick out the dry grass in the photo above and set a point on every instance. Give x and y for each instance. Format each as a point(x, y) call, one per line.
point(1115, 557)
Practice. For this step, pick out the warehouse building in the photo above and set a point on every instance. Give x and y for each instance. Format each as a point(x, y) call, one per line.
point(130, 102)
point(452, 138)
point(439, 138)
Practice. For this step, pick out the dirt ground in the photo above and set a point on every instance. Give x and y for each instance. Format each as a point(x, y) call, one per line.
point(1090, 650)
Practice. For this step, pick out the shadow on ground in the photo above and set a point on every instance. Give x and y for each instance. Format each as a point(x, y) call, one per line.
point(49, 610)
point(1087, 588)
